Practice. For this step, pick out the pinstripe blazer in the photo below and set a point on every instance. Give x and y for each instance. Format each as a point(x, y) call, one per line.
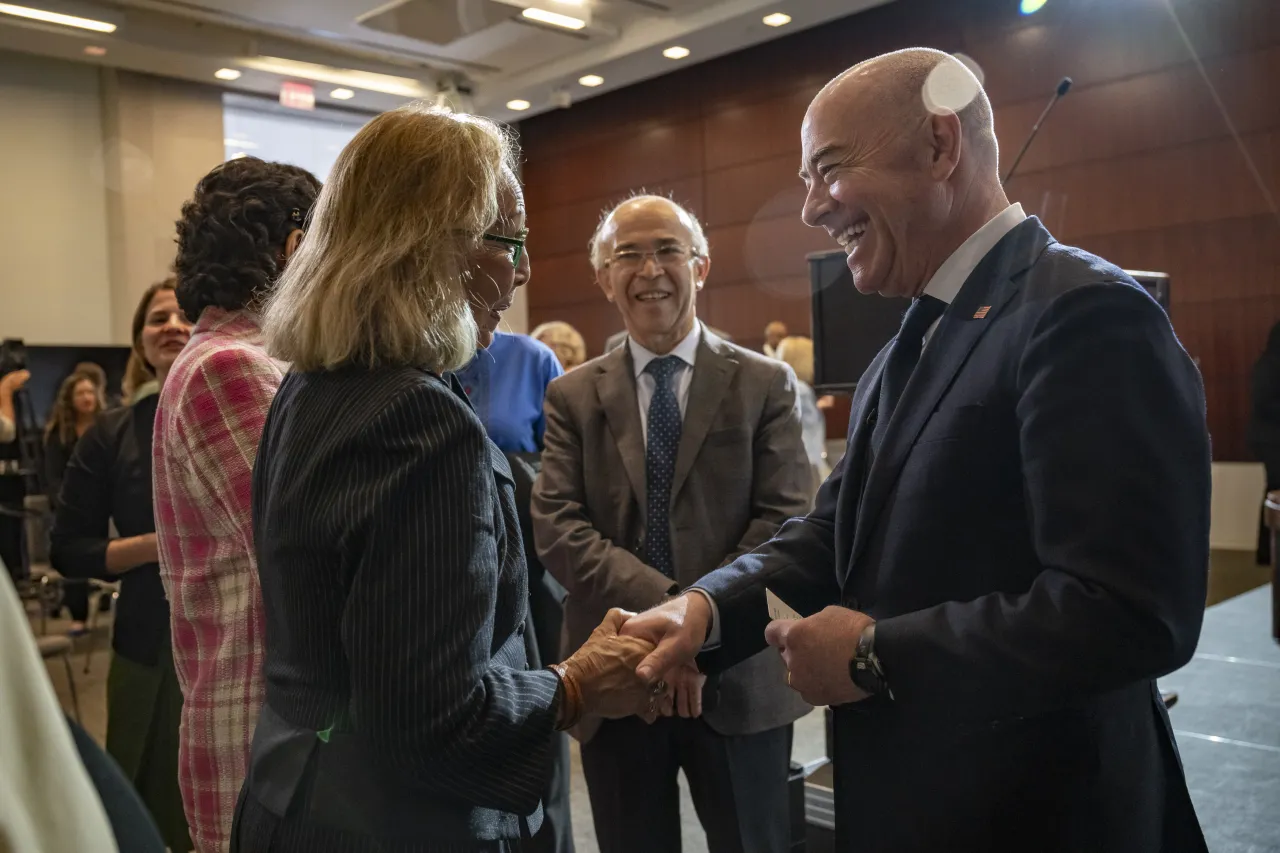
point(400, 711)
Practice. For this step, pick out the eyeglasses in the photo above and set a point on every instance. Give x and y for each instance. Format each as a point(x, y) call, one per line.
point(669, 256)
point(515, 245)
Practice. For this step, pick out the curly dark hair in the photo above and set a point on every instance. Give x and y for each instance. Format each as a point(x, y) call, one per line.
point(232, 232)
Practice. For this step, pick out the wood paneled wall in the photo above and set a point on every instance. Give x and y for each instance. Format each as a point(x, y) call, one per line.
point(1164, 156)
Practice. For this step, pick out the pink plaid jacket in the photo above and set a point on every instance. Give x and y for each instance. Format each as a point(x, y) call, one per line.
point(208, 424)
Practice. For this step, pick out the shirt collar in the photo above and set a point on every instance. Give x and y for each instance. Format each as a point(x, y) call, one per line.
point(686, 350)
point(241, 324)
point(955, 270)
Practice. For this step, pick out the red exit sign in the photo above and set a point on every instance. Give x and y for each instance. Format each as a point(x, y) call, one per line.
point(298, 96)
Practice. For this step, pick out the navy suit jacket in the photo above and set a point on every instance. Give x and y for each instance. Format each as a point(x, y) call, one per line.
point(1033, 541)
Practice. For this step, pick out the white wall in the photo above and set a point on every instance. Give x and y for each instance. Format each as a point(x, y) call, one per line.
point(54, 266)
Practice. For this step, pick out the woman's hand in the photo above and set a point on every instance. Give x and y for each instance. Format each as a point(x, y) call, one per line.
point(605, 670)
point(130, 552)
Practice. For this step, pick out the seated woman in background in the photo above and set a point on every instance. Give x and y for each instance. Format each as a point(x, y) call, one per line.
point(565, 342)
point(797, 351)
point(109, 480)
point(79, 401)
point(400, 713)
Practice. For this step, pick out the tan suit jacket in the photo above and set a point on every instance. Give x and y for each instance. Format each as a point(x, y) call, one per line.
point(740, 472)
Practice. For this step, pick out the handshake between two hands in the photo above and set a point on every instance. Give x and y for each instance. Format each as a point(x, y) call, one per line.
point(643, 664)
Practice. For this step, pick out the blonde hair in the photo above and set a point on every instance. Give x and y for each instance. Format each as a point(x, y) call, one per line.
point(380, 276)
point(797, 351)
point(696, 234)
point(558, 334)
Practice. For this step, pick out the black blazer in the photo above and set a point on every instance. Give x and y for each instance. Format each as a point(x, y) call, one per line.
point(109, 480)
point(1033, 539)
point(399, 707)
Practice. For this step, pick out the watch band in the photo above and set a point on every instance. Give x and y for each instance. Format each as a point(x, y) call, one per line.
point(865, 669)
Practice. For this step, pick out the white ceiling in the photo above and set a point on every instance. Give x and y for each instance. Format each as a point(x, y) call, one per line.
point(479, 54)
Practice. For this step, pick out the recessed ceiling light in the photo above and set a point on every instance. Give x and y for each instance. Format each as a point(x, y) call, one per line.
point(555, 19)
point(1030, 7)
point(229, 142)
point(591, 80)
point(342, 94)
point(95, 50)
point(777, 19)
point(518, 104)
point(349, 78)
point(227, 74)
point(57, 18)
point(676, 52)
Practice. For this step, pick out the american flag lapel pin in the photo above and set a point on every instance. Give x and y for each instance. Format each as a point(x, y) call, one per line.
point(981, 313)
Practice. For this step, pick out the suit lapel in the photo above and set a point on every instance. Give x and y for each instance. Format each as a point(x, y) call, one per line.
point(989, 287)
point(861, 422)
point(712, 372)
point(617, 390)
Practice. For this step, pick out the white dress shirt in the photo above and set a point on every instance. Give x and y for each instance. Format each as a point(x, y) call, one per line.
point(944, 285)
point(687, 352)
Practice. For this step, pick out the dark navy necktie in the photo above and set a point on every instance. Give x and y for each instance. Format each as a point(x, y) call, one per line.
point(903, 358)
point(660, 461)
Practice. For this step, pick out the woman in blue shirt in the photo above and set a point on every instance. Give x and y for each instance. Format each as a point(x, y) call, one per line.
point(506, 383)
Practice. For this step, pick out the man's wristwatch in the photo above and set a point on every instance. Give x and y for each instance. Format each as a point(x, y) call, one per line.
point(865, 669)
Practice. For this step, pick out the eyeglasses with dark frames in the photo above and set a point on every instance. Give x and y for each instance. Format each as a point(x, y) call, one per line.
point(515, 245)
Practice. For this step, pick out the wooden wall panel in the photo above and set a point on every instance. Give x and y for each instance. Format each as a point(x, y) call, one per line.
point(1138, 163)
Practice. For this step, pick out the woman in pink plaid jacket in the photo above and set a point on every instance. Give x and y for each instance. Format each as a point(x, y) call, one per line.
point(234, 238)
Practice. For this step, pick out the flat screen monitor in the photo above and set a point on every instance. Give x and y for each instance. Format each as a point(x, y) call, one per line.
point(850, 328)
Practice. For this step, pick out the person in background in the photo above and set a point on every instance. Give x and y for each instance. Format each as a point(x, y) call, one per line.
point(108, 480)
point(79, 401)
point(1264, 424)
point(1015, 544)
point(797, 352)
point(400, 713)
point(13, 488)
point(564, 341)
point(99, 376)
point(773, 334)
point(235, 237)
point(506, 383)
point(667, 458)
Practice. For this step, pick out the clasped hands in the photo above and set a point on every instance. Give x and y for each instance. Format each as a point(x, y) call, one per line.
point(816, 650)
point(605, 671)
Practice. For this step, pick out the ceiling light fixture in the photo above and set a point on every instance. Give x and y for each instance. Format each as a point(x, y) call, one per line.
point(349, 78)
point(1028, 7)
point(555, 19)
point(591, 80)
point(676, 52)
point(238, 143)
point(94, 50)
point(57, 18)
point(519, 105)
point(777, 19)
point(227, 74)
point(342, 94)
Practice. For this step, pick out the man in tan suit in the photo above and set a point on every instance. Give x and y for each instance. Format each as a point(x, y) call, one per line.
point(665, 459)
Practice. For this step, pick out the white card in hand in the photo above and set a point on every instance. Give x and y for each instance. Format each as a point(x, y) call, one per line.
point(777, 609)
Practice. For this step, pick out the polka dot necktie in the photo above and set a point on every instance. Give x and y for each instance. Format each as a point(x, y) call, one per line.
point(660, 461)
